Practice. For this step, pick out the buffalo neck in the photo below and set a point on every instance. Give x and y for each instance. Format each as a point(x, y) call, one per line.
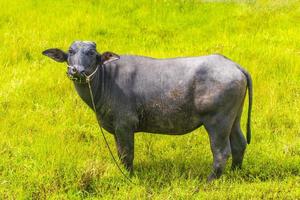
point(97, 86)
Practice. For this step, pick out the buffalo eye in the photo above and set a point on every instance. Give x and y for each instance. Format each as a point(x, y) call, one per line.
point(90, 53)
point(71, 52)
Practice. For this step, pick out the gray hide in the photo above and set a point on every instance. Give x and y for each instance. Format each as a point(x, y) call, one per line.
point(165, 96)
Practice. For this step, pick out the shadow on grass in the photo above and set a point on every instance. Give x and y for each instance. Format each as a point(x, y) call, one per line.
point(159, 174)
point(164, 171)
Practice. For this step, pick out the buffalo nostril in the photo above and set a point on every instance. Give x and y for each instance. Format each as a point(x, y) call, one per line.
point(73, 70)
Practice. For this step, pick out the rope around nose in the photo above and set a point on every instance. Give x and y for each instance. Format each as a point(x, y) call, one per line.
point(88, 80)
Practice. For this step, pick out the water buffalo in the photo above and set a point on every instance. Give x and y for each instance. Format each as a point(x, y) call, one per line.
point(165, 96)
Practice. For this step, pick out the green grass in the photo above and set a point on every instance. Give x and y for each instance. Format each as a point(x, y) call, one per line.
point(50, 146)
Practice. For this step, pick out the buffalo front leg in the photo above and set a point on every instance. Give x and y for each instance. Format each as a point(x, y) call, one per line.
point(125, 146)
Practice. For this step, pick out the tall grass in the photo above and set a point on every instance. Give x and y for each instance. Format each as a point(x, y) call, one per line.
point(50, 146)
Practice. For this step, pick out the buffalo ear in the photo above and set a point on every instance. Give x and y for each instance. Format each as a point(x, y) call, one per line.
point(56, 54)
point(107, 57)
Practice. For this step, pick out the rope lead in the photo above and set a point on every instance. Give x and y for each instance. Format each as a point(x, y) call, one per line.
point(88, 80)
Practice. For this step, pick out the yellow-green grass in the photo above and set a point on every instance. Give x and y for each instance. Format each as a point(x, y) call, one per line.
point(50, 146)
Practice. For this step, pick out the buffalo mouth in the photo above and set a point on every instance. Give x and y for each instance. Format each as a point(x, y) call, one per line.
point(80, 77)
point(76, 78)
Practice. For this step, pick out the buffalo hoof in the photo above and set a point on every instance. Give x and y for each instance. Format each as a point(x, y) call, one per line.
point(211, 178)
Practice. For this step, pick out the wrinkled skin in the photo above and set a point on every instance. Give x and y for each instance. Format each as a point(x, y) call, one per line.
point(164, 96)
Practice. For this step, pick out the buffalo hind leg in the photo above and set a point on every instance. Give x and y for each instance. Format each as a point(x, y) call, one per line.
point(219, 132)
point(237, 144)
point(125, 146)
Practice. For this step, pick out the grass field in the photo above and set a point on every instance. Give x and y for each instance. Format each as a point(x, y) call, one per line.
point(50, 146)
